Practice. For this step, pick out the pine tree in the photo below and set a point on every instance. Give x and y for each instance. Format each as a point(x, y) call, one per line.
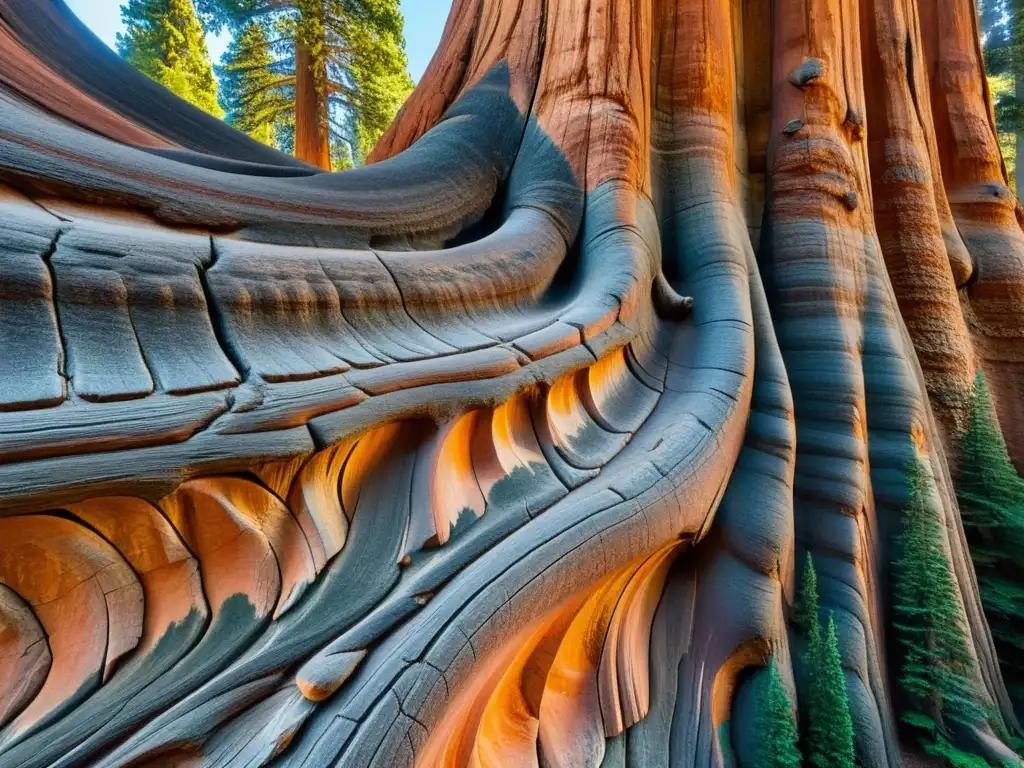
point(830, 730)
point(989, 490)
point(936, 665)
point(828, 737)
point(164, 40)
point(252, 91)
point(991, 498)
point(775, 730)
point(381, 84)
point(340, 64)
point(1002, 30)
point(806, 614)
point(808, 621)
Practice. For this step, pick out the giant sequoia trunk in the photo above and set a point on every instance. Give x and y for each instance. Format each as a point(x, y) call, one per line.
point(312, 130)
point(500, 450)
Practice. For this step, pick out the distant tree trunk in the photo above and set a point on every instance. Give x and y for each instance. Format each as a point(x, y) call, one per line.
point(1018, 92)
point(312, 131)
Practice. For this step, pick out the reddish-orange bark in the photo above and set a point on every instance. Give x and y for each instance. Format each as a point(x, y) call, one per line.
point(312, 131)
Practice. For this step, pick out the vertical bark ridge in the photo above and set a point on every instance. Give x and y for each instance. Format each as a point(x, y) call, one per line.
point(818, 242)
point(910, 208)
point(986, 212)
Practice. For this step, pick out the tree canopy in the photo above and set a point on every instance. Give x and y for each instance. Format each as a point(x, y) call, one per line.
point(164, 40)
point(253, 102)
point(1002, 29)
point(333, 69)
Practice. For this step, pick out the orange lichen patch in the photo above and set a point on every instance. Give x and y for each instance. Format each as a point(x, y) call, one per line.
point(751, 653)
point(168, 572)
point(235, 556)
point(454, 486)
point(85, 596)
point(24, 654)
point(24, 73)
point(316, 502)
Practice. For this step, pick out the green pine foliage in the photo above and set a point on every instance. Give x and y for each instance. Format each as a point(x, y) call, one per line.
point(828, 733)
point(164, 40)
point(253, 92)
point(808, 621)
point(379, 79)
point(989, 490)
point(953, 757)
point(1001, 24)
point(991, 498)
point(936, 664)
point(830, 730)
point(775, 729)
point(358, 59)
point(806, 615)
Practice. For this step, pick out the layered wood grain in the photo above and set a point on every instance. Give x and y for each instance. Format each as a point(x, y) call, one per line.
point(500, 450)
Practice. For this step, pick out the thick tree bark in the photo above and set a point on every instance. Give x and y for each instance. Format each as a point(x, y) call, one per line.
point(312, 131)
point(499, 451)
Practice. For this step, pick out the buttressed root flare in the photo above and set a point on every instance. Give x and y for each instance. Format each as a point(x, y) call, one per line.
point(503, 449)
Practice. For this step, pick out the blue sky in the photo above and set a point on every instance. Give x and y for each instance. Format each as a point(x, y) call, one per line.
point(424, 22)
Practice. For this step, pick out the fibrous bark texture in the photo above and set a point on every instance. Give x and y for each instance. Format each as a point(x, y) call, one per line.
point(499, 451)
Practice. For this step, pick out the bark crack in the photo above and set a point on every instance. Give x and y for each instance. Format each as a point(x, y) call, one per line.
point(62, 361)
point(217, 319)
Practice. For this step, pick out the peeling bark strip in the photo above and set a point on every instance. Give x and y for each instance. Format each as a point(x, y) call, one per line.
point(501, 450)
